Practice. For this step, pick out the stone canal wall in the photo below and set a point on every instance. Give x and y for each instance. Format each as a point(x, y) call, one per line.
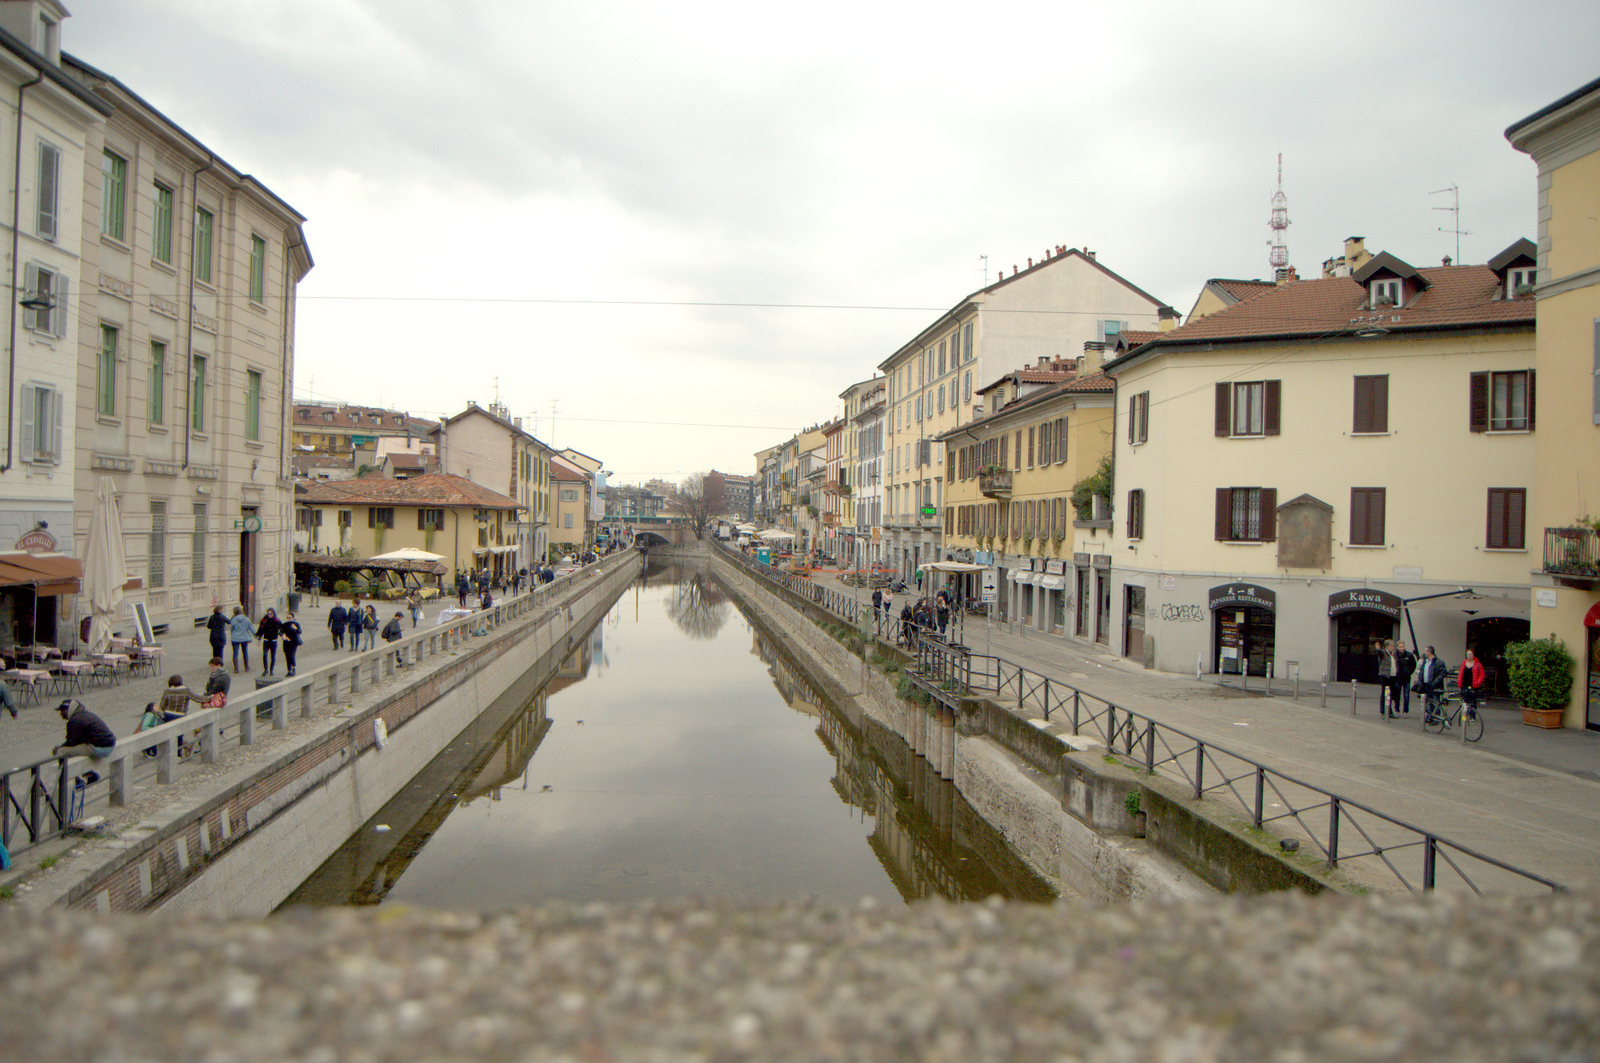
point(240, 844)
point(1055, 799)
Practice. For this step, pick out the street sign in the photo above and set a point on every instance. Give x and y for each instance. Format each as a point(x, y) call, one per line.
point(991, 586)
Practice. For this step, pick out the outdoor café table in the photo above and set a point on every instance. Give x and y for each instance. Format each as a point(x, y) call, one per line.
point(148, 657)
point(29, 678)
point(110, 665)
point(41, 653)
point(121, 645)
point(69, 674)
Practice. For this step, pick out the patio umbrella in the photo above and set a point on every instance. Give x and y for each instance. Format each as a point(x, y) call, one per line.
point(408, 553)
point(105, 567)
point(774, 534)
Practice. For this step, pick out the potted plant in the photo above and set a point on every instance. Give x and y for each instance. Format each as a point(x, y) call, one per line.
point(1539, 674)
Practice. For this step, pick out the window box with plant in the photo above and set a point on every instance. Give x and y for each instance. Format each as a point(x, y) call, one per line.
point(1539, 674)
point(1572, 553)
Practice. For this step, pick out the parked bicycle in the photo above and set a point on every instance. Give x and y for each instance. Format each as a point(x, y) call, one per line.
point(1446, 709)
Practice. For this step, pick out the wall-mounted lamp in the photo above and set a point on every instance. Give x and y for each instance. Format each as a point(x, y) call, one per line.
point(38, 301)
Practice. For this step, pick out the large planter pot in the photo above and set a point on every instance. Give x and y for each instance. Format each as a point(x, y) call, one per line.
point(1549, 718)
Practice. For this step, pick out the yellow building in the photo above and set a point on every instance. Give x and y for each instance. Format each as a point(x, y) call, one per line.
point(1564, 140)
point(1009, 499)
point(1361, 444)
point(439, 513)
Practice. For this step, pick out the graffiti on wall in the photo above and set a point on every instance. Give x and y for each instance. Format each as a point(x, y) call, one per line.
point(1182, 613)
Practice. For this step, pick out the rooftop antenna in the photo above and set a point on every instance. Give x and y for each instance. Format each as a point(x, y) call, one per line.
point(985, 260)
point(553, 422)
point(1455, 217)
point(1278, 253)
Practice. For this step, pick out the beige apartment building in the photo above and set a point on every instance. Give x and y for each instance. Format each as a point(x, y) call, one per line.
point(1564, 140)
point(489, 447)
point(862, 459)
point(185, 354)
point(341, 442)
point(1048, 311)
point(1323, 465)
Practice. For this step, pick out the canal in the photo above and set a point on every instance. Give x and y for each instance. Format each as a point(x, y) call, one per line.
point(676, 752)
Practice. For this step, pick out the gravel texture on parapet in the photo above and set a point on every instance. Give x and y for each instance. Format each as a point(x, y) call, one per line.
point(1283, 978)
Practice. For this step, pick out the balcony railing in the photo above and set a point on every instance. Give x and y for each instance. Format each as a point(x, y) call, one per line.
point(1572, 555)
point(996, 484)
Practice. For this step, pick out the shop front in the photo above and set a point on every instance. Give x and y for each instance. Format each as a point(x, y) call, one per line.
point(1244, 627)
point(1053, 589)
point(1591, 631)
point(1361, 619)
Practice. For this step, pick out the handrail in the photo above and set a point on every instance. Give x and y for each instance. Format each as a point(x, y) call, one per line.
point(1266, 795)
point(38, 799)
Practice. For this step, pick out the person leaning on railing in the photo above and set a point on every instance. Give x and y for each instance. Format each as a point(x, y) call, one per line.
point(87, 734)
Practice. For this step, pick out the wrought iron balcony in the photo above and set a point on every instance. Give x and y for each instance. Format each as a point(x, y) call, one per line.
point(995, 484)
point(1572, 555)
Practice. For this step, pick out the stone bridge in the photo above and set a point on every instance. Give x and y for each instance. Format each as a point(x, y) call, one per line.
point(675, 534)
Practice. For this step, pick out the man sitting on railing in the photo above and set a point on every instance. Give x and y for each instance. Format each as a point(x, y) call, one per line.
point(87, 734)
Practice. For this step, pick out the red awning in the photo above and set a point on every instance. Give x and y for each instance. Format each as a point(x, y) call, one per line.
point(1592, 617)
point(48, 574)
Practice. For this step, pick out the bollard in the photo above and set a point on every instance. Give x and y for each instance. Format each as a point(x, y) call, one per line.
point(1352, 697)
point(1197, 667)
point(1324, 689)
point(1269, 678)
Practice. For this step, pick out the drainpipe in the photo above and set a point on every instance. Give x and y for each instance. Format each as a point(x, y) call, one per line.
point(16, 218)
point(188, 342)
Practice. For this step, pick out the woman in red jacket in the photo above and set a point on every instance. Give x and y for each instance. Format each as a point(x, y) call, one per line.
point(1470, 680)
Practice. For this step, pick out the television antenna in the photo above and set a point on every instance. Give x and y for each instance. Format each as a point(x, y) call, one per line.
point(1455, 216)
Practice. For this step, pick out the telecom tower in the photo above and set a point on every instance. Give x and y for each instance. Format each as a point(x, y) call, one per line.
point(1278, 256)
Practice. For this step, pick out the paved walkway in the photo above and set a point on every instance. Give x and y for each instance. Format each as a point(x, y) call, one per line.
point(1528, 796)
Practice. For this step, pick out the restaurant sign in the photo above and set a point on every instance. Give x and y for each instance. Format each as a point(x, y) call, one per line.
point(1242, 594)
point(1369, 601)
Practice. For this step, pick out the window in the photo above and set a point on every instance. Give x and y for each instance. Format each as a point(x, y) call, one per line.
point(1502, 402)
point(258, 269)
point(113, 194)
point(941, 398)
point(569, 494)
point(1139, 418)
point(566, 520)
point(197, 545)
point(1247, 514)
point(1061, 440)
point(197, 395)
point(1508, 507)
point(1366, 516)
point(252, 405)
point(106, 375)
point(430, 518)
point(1136, 514)
point(158, 544)
point(966, 342)
point(1372, 405)
point(1248, 408)
point(1110, 330)
point(158, 382)
point(1385, 292)
point(966, 387)
point(1031, 431)
point(47, 289)
point(48, 198)
point(161, 225)
point(203, 221)
point(380, 516)
point(1519, 278)
point(344, 518)
point(941, 355)
point(41, 425)
point(1044, 444)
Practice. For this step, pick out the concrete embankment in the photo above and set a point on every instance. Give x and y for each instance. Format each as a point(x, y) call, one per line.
point(241, 842)
point(1062, 807)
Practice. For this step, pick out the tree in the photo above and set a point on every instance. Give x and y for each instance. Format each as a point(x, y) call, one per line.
point(698, 499)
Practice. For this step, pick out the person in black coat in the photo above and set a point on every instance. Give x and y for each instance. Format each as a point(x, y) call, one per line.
point(1405, 663)
point(268, 631)
point(217, 628)
point(336, 622)
point(291, 642)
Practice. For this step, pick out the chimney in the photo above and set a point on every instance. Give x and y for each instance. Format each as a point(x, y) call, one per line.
point(1446, 261)
point(1088, 254)
point(1044, 362)
point(1093, 355)
point(1168, 319)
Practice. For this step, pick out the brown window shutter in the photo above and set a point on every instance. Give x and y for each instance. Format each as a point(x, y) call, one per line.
point(1061, 440)
point(1358, 515)
point(1269, 419)
point(1380, 404)
point(1224, 411)
point(1003, 463)
point(1144, 416)
point(1495, 534)
point(372, 516)
point(1133, 417)
point(1224, 512)
point(1377, 502)
point(1533, 391)
point(419, 520)
point(1269, 510)
point(1478, 403)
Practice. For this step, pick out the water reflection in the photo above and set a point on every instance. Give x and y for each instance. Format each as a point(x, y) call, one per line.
point(654, 765)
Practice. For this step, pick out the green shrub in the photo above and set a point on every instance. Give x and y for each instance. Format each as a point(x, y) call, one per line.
point(1099, 483)
point(1539, 673)
point(342, 588)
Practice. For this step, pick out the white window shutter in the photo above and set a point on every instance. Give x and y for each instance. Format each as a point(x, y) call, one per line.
point(30, 287)
point(56, 403)
point(58, 316)
point(29, 401)
point(49, 185)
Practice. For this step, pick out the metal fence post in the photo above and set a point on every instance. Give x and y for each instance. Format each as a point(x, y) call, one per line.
point(1352, 697)
point(1333, 831)
point(1150, 747)
point(1430, 848)
point(1199, 770)
point(1261, 795)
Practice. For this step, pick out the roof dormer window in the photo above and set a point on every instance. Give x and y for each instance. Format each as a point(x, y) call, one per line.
point(1519, 281)
point(1385, 292)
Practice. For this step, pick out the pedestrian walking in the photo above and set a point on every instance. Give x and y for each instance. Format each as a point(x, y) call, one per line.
point(369, 628)
point(217, 629)
point(268, 631)
point(461, 589)
point(315, 586)
point(240, 633)
point(414, 600)
point(392, 633)
point(336, 624)
point(941, 608)
point(291, 642)
point(352, 624)
point(1405, 663)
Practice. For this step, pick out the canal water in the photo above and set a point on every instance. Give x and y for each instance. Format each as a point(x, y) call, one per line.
point(677, 752)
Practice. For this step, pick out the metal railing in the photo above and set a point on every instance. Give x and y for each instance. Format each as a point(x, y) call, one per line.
point(1371, 848)
point(40, 801)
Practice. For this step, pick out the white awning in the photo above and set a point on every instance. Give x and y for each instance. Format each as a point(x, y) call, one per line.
point(1022, 577)
point(1055, 583)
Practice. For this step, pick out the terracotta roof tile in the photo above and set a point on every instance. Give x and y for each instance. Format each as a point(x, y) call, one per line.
point(437, 490)
point(1242, 289)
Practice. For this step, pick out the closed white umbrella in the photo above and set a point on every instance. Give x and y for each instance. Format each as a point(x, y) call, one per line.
point(410, 553)
point(105, 566)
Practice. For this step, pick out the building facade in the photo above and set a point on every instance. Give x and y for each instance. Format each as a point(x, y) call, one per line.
point(489, 447)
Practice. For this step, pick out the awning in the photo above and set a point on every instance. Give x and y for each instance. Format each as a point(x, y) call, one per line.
point(954, 566)
point(1022, 577)
point(49, 574)
point(1055, 583)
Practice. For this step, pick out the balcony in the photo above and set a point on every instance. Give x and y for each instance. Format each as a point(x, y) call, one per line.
point(830, 520)
point(1572, 556)
point(995, 484)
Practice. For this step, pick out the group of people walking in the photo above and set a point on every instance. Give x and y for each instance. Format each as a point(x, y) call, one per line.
point(239, 632)
point(922, 615)
point(1401, 674)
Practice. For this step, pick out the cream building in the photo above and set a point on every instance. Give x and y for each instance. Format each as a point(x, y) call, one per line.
point(489, 447)
point(185, 354)
point(1564, 140)
point(1048, 311)
point(50, 118)
point(1321, 466)
point(863, 458)
point(1009, 502)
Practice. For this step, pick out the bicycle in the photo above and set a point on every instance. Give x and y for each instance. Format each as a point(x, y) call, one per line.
point(1438, 715)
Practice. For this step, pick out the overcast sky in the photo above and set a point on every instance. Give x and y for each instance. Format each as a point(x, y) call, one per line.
point(690, 226)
